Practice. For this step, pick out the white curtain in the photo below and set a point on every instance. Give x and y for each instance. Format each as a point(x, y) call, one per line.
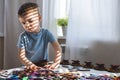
point(1, 32)
point(49, 20)
point(12, 29)
point(1, 18)
point(52, 10)
point(94, 31)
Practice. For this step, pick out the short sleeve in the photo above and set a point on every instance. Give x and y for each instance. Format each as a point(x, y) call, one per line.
point(20, 42)
point(51, 38)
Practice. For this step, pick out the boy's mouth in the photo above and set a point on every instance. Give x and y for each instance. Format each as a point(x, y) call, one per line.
point(32, 28)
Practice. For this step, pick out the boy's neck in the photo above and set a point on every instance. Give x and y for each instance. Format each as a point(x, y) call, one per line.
point(38, 30)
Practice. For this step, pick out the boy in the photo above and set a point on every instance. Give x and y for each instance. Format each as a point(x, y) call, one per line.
point(34, 40)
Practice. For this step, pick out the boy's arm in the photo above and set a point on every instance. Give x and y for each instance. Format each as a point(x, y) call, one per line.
point(24, 59)
point(58, 52)
point(58, 55)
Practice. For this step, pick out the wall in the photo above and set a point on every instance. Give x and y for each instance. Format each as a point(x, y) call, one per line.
point(1, 51)
point(101, 52)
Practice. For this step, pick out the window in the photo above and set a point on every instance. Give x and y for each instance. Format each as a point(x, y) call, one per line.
point(61, 11)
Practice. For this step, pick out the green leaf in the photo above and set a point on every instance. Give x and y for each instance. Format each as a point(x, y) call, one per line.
point(62, 22)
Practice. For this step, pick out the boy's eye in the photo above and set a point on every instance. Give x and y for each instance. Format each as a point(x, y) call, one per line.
point(23, 22)
point(30, 21)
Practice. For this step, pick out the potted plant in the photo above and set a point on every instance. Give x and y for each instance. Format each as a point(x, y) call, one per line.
point(63, 22)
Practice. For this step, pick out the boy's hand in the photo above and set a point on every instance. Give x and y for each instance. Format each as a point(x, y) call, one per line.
point(51, 66)
point(33, 67)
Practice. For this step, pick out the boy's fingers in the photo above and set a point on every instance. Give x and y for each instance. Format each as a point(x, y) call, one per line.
point(47, 66)
point(33, 67)
point(54, 66)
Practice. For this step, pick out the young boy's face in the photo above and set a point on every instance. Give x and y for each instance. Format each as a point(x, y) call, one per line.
point(31, 20)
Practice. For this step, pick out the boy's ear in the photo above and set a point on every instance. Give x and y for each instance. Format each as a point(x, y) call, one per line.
point(20, 19)
point(40, 17)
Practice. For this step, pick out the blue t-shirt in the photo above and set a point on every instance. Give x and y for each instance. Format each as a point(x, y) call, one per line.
point(36, 44)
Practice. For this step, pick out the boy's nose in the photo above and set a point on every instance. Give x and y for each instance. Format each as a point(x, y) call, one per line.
point(27, 24)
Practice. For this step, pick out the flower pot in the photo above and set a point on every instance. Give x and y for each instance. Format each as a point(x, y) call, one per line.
point(64, 29)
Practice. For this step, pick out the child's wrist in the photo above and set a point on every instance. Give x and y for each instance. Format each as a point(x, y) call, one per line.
point(56, 63)
point(30, 63)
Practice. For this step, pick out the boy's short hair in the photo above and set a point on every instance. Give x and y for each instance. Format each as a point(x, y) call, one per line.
point(26, 7)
